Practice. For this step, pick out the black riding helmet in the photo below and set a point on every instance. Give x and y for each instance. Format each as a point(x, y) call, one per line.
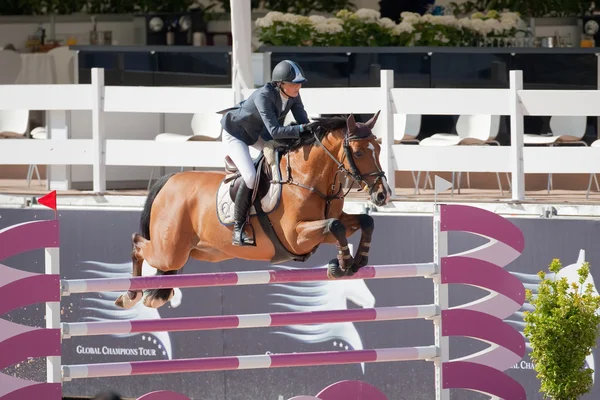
point(288, 71)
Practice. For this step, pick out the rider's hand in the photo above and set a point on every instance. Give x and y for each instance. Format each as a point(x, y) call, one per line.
point(308, 128)
point(306, 131)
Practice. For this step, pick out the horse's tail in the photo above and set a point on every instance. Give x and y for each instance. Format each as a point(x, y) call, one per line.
point(145, 217)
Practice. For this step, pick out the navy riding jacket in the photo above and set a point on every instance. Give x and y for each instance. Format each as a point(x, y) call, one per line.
point(260, 115)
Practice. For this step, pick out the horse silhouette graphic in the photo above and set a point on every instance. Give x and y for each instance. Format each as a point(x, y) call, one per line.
point(102, 308)
point(321, 296)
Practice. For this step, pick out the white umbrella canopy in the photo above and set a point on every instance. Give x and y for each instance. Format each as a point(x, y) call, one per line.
point(241, 32)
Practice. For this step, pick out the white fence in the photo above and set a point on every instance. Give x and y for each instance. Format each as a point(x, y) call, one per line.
point(100, 152)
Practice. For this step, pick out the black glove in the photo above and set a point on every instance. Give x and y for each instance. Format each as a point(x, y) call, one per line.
point(308, 129)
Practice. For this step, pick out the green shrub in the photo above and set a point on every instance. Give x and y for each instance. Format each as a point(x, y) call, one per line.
point(563, 330)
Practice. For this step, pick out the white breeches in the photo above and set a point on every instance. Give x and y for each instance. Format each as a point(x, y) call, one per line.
point(239, 152)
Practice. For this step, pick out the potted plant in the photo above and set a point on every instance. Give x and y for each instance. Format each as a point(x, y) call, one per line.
point(563, 330)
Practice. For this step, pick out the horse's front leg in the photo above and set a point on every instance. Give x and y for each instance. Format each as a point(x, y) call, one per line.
point(366, 224)
point(328, 230)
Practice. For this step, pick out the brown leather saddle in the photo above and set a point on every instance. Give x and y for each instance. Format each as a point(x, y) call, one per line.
point(261, 184)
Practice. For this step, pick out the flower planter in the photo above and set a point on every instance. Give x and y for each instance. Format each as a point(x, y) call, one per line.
point(365, 27)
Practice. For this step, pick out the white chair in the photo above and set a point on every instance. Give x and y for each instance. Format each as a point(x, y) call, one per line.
point(596, 143)
point(63, 60)
point(205, 127)
point(14, 125)
point(406, 128)
point(10, 65)
point(61, 65)
point(564, 130)
point(470, 129)
point(478, 130)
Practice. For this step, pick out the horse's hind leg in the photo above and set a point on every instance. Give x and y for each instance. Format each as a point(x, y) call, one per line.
point(156, 298)
point(167, 256)
point(133, 296)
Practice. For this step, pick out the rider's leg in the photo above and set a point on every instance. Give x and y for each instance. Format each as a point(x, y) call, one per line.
point(239, 153)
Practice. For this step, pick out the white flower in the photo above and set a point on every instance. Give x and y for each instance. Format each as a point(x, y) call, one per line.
point(328, 28)
point(507, 26)
point(335, 21)
point(493, 25)
point(317, 19)
point(291, 18)
point(367, 14)
point(479, 26)
point(446, 20)
point(427, 18)
point(387, 23)
point(409, 17)
point(509, 16)
point(269, 19)
point(343, 14)
point(403, 27)
point(511, 20)
point(464, 23)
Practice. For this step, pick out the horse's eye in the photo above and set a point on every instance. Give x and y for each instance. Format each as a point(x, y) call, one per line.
point(358, 153)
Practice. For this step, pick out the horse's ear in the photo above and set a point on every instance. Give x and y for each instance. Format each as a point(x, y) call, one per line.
point(351, 123)
point(371, 123)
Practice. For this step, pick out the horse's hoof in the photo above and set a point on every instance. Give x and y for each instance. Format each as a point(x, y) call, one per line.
point(334, 271)
point(346, 264)
point(126, 302)
point(155, 302)
point(358, 264)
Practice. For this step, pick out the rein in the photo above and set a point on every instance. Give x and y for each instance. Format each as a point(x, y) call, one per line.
point(354, 174)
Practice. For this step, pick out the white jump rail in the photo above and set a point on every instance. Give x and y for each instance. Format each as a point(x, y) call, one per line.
point(100, 152)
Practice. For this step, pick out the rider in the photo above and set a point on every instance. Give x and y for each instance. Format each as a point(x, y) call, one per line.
point(253, 122)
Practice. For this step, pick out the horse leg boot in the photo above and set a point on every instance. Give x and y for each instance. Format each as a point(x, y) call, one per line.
point(242, 206)
point(367, 225)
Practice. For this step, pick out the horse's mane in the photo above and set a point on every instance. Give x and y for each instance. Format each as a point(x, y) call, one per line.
point(321, 126)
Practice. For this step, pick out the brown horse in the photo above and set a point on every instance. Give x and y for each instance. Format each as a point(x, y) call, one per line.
point(180, 219)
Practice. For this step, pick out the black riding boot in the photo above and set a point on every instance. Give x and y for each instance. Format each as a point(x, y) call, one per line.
point(242, 205)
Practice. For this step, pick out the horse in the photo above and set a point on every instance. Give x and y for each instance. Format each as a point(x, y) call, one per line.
point(179, 219)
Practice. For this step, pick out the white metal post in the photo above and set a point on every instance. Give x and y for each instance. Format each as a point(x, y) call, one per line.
point(516, 136)
point(57, 126)
point(53, 368)
point(440, 291)
point(98, 131)
point(261, 68)
point(386, 122)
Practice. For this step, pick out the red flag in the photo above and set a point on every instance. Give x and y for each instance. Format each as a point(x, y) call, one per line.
point(48, 200)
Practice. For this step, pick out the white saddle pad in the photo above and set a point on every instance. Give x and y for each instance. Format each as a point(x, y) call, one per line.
point(269, 202)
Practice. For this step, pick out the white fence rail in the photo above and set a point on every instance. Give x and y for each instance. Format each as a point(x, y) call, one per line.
point(100, 152)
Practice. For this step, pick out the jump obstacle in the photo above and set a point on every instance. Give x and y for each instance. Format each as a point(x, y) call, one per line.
point(482, 267)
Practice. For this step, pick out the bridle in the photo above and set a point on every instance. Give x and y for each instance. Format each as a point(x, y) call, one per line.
point(354, 173)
